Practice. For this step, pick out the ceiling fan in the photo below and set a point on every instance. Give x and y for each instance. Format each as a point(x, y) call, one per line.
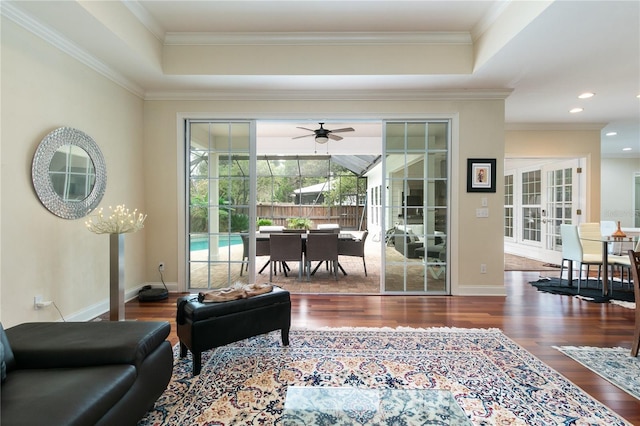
point(323, 135)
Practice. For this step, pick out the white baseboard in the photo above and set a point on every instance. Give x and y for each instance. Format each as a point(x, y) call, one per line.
point(99, 308)
point(498, 290)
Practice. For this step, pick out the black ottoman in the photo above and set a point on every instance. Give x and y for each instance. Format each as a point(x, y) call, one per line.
point(204, 326)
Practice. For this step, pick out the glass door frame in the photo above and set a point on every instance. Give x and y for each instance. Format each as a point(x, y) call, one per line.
point(215, 205)
point(429, 268)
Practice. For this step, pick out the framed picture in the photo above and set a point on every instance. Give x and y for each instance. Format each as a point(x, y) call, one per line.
point(481, 175)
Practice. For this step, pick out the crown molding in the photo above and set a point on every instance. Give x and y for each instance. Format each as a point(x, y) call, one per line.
point(489, 18)
point(58, 41)
point(314, 38)
point(329, 95)
point(553, 126)
point(145, 18)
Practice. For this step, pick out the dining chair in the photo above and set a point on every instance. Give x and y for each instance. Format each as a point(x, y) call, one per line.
point(591, 241)
point(634, 261)
point(285, 248)
point(262, 249)
point(608, 227)
point(322, 248)
point(354, 247)
point(624, 262)
point(572, 251)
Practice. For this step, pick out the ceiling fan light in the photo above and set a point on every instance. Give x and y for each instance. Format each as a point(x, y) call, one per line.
point(322, 139)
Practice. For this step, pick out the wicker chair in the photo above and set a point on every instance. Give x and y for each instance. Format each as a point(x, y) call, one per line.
point(354, 248)
point(321, 248)
point(285, 248)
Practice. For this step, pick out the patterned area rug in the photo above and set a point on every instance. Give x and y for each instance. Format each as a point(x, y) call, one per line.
point(494, 381)
point(613, 364)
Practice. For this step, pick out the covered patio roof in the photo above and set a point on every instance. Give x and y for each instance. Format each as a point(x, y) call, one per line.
point(357, 164)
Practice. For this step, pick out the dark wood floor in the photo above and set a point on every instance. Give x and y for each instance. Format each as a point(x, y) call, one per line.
point(536, 321)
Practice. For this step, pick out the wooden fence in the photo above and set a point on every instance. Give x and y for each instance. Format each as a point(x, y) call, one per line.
point(348, 217)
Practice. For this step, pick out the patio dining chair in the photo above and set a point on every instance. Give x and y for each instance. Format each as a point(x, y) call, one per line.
point(285, 248)
point(355, 248)
point(245, 254)
point(262, 249)
point(322, 248)
point(328, 227)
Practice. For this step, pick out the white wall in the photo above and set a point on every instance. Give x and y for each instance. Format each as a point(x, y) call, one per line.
point(43, 89)
point(618, 189)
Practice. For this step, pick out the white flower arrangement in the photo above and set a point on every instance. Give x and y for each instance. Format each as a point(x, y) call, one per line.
point(119, 221)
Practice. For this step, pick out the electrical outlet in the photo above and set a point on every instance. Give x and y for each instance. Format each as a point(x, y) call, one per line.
point(161, 266)
point(483, 268)
point(37, 302)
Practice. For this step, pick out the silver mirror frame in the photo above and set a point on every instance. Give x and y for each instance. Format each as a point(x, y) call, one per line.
point(43, 184)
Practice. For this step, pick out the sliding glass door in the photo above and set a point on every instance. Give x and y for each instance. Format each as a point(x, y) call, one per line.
point(219, 190)
point(416, 182)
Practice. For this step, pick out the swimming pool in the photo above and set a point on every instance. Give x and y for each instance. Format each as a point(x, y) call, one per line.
point(223, 241)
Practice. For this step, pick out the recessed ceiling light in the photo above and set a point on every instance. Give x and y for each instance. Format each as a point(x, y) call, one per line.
point(611, 133)
point(626, 149)
point(575, 110)
point(586, 95)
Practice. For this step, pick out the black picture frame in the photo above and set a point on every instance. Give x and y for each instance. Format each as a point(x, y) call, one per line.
point(481, 175)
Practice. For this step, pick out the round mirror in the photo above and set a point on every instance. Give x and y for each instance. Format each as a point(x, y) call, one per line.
point(69, 173)
point(72, 173)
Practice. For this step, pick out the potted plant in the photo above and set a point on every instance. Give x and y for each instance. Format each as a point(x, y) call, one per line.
point(299, 223)
point(263, 222)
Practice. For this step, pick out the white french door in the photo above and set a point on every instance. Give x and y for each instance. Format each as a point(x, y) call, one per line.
point(544, 196)
point(562, 203)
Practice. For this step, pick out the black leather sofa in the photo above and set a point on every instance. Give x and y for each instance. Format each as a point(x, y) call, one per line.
point(83, 373)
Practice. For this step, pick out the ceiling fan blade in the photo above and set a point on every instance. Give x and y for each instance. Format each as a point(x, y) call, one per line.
point(334, 137)
point(344, 129)
point(303, 136)
point(304, 128)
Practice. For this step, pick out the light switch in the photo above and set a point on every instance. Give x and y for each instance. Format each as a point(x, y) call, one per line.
point(483, 212)
point(484, 201)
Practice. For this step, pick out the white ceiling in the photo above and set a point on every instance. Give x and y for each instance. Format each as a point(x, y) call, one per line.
point(569, 48)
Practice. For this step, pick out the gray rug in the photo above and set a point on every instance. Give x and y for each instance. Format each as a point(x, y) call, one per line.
point(613, 364)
